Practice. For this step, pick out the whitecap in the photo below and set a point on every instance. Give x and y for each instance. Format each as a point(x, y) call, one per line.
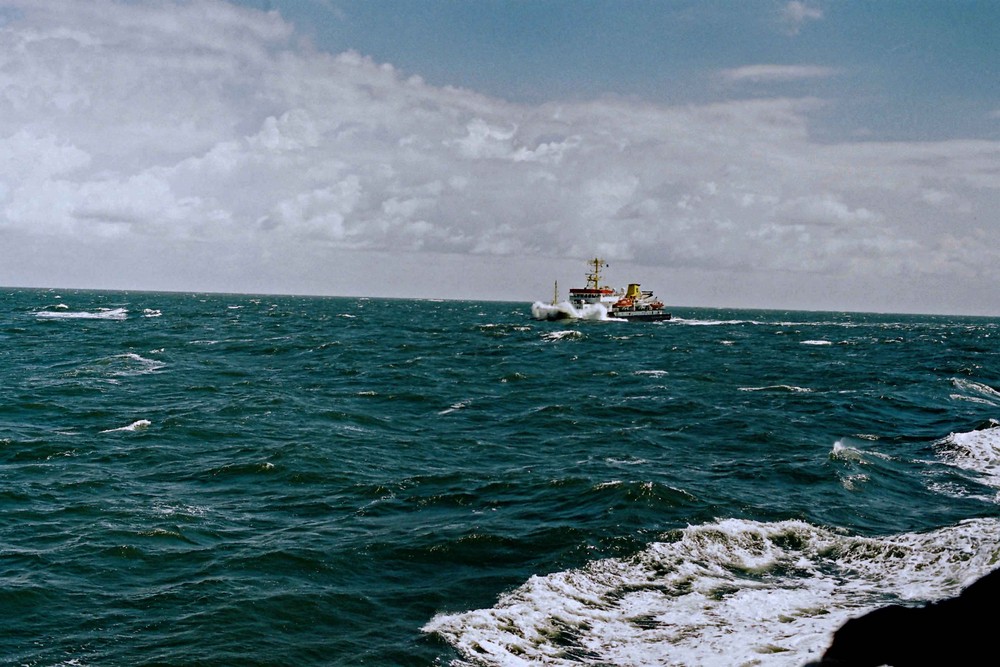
point(975, 392)
point(135, 364)
point(627, 462)
point(712, 323)
point(843, 452)
point(102, 314)
point(138, 425)
point(733, 592)
point(976, 451)
point(816, 342)
point(454, 407)
point(972, 399)
point(853, 482)
point(559, 335)
point(779, 387)
point(167, 509)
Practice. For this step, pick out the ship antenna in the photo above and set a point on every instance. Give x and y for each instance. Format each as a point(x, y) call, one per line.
point(594, 277)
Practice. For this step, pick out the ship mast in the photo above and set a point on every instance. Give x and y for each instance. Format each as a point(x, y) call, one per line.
point(594, 277)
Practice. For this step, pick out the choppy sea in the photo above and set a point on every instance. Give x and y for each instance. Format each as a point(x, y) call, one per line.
point(269, 480)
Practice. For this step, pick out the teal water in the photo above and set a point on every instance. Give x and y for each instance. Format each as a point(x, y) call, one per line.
point(229, 479)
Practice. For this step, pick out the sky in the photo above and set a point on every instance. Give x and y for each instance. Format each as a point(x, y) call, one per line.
point(804, 154)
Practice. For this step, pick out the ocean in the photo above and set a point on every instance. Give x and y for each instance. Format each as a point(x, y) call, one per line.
point(207, 479)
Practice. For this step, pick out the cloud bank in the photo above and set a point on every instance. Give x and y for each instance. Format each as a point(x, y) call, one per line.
point(201, 145)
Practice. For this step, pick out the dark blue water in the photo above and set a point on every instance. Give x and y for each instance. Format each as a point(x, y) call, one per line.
point(227, 479)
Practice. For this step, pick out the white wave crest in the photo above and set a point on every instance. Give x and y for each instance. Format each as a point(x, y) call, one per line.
point(138, 425)
point(713, 323)
point(779, 387)
point(102, 314)
point(844, 452)
point(975, 392)
point(976, 451)
point(455, 406)
point(130, 363)
point(733, 592)
point(559, 335)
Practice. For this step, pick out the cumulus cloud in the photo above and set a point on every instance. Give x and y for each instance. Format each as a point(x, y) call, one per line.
point(201, 125)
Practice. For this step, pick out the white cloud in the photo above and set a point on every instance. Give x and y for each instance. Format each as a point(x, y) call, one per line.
point(30, 157)
point(827, 210)
point(776, 73)
point(795, 14)
point(161, 125)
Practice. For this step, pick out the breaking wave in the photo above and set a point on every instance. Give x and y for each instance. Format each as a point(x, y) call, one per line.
point(102, 314)
point(137, 425)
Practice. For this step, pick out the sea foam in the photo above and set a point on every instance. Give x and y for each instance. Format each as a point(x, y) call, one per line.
point(719, 594)
point(977, 451)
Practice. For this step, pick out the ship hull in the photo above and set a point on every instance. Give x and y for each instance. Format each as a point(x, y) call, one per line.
point(640, 315)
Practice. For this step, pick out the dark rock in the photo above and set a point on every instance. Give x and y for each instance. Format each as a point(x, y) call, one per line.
point(955, 631)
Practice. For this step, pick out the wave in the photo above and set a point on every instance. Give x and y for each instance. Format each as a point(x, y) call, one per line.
point(714, 323)
point(845, 324)
point(844, 452)
point(975, 392)
point(143, 365)
point(733, 591)
point(102, 314)
point(779, 387)
point(455, 406)
point(976, 451)
point(138, 425)
point(559, 335)
point(724, 593)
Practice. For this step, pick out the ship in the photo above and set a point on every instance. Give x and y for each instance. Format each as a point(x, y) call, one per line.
point(597, 301)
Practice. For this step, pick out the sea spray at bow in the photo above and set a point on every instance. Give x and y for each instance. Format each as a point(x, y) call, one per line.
point(566, 310)
point(224, 479)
